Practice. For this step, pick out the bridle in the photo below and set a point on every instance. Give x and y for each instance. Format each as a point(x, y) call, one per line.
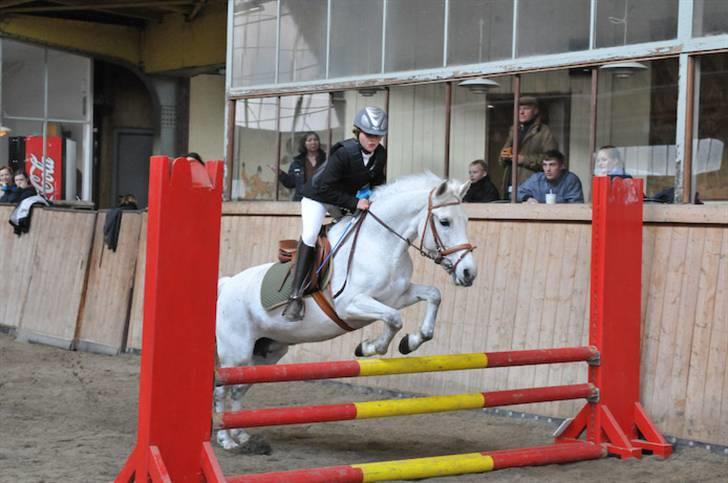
point(441, 250)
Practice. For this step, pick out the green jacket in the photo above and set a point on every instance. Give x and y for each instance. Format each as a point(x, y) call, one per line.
point(533, 146)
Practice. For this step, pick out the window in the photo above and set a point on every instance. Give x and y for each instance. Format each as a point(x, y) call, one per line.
point(624, 22)
point(256, 149)
point(710, 17)
point(416, 139)
point(710, 146)
point(303, 40)
point(637, 113)
point(356, 37)
point(254, 43)
point(415, 34)
point(552, 26)
point(479, 31)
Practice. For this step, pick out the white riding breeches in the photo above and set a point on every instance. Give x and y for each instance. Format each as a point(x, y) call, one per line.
point(312, 217)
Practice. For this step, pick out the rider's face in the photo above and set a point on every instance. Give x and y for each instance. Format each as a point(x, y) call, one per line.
point(369, 141)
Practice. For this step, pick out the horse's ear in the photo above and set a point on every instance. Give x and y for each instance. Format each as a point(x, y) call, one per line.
point(463, 190)
point(442, 189)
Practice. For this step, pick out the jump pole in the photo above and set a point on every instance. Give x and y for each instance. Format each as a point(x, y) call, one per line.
point(178, 336)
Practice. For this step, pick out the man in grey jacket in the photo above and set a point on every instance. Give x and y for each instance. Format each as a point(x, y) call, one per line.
point(554, 180)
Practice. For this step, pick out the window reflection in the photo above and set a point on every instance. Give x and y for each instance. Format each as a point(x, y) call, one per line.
point(710, 161)
point(303, 40)
point(636, 113)
point(254, 43)
point(256, 149)
point(479, 31)
point(710, 17)
point(552, 26)
point(624, 22)
point(415, 30)
point(356, 37)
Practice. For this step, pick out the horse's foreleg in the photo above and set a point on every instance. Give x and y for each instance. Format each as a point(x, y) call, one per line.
point(414, 294)
point(364, 307)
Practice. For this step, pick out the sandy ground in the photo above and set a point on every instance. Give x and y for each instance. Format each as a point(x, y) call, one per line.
point(71, 416)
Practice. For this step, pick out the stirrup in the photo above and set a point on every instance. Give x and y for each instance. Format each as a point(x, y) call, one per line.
point(295, 309)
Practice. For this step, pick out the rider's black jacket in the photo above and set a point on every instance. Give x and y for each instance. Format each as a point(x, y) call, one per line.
point(337, 182)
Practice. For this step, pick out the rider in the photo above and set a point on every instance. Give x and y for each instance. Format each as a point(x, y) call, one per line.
point(354, 164)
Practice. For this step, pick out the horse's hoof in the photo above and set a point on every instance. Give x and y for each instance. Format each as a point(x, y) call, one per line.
point(404, 345)
point(359, 351)
point(255, 445)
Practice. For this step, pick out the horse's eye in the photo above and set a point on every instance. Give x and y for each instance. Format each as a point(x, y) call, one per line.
point(445, 222)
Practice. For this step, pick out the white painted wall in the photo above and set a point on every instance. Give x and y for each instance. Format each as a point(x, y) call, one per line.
point(207, 116)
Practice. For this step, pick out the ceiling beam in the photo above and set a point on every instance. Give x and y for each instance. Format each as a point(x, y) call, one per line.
point(148, 17)
point(107, 5)
point(199, 5)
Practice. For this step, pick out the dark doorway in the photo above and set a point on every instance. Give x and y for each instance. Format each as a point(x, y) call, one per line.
point(132, 149)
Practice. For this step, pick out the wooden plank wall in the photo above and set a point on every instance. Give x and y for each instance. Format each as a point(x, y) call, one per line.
point(61, 240)
point(103, 317)
point(531, 292)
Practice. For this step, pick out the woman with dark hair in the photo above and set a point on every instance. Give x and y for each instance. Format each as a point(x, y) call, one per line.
point(309, 159)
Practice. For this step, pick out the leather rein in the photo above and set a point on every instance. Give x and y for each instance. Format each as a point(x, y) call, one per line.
point(441, 250)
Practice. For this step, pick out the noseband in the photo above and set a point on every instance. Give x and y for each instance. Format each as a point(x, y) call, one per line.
point(442, 250)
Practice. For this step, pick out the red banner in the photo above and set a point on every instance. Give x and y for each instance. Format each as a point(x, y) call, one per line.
point(46, 175)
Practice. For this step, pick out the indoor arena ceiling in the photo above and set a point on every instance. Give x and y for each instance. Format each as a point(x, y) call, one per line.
point(119, 12)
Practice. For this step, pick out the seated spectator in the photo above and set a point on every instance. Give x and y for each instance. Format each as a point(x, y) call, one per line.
point(24, 189)
point(555, 179)
point(482, 189)
point(6, 185)
point(609, 162)
point(308, 161)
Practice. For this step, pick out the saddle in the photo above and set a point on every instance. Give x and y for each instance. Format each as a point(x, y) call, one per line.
point(277, 281)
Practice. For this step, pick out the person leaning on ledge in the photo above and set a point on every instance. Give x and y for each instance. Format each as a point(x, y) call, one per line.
point(555, 179)
point(534, 140)
point(481, 189)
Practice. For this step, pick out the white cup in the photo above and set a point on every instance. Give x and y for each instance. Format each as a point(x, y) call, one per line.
point(550, 198)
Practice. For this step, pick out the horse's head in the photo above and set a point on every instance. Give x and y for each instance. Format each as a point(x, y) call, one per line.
point(443, 232)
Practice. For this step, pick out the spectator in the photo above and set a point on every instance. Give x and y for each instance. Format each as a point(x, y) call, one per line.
point(24, 189)
point(555, 179)
point(6, 185)
point(194, 157)
point(481, 190)
point(609, 162)
point(309, 159)
point(534, 140)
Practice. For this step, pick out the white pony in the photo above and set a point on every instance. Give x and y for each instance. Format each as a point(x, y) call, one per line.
point(421, 209)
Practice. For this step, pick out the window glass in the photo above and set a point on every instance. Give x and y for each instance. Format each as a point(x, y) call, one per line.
point(303, 117)
point(303, 40)
point(710, 17)
point(552, 26)
point(624, 22)
point(356, 37)
point(710, 158)
point(23, 79)
point(416, 140)
point(254, 42)
point(479, 123)
point(346, 104)
point(479, 31)
point(636, 113)
point(256, 149)
point(68, 86)
point(415, 31)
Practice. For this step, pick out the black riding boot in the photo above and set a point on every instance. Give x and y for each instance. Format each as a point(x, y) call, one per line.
point(304, 258)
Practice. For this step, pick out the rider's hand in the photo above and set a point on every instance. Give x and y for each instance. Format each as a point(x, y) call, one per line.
point(362, 204)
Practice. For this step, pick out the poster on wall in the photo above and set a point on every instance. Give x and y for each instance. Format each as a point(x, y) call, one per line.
point(46, 175)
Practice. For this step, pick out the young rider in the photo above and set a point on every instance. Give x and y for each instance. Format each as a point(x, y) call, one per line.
point(354, 164)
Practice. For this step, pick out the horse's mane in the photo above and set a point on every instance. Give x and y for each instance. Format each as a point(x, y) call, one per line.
point(415, 182)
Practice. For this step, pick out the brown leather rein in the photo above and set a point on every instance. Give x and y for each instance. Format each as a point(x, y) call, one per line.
point(442, 250)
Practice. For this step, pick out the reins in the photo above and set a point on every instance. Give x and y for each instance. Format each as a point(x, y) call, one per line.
point(442, 250)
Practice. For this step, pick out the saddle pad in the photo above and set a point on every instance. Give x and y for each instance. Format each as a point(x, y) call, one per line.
point(270, 295)
point(274, 292)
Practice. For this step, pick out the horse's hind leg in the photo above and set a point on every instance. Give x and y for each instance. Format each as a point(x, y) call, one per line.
point(414, 294)
point(363, 307)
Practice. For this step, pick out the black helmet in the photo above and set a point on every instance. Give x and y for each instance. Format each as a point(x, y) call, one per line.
point(372, 120)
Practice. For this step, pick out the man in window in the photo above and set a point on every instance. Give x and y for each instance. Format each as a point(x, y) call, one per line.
point(534, 140)
point(555, 184)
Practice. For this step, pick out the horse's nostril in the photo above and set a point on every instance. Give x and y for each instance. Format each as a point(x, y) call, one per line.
point(467, 275)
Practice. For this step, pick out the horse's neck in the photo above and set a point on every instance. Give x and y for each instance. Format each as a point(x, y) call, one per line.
point(400, 214)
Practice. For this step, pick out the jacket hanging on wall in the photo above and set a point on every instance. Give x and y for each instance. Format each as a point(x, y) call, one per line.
point(20, 217)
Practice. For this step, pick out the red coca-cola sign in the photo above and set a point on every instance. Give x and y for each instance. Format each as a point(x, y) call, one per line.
point(46, 174)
